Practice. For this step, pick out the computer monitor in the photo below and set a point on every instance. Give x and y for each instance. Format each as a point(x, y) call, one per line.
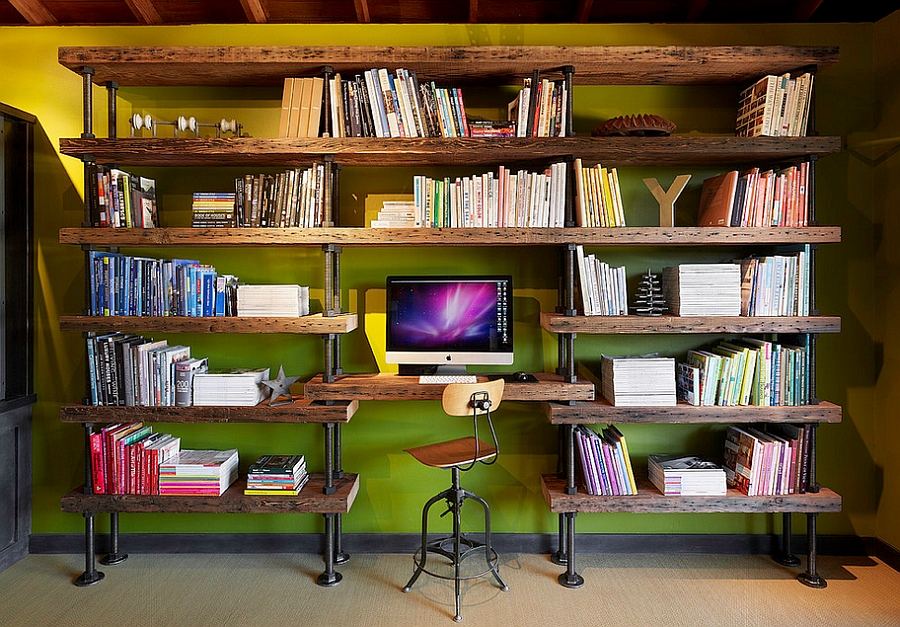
point(441, 324)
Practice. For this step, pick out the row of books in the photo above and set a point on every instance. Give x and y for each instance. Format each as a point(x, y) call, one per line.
point(604, 461)
point(126, 369)
point(603, 287)
point(126, 458)
point(775, 106)
point(301, 107)
point(777, 285)
point(686, 475)
point(125, 285)
point(213, 210)
point(504, 199)
point(756, 198)
point(379, 103)
point(638, 380)
point(198, 473)
point(277, 475)
point(540, 107)
point(598, 199)
point(768, 461)
point(120, 199)
point(293, 198)
point(746, 371)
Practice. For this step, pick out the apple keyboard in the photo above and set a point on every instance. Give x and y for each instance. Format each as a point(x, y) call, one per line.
point(445, 379)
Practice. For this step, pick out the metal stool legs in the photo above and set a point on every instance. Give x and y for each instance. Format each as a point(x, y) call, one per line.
point(459, 547)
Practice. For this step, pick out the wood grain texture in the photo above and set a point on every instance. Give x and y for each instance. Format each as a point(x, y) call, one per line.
point(601, 411)
point(300, 411)
point(314, 324)
point(389, 386)
point(357, 236)
point(649, 500)
point(688, 150)
point(234, 501)
point(594, 65)
point(613, 325)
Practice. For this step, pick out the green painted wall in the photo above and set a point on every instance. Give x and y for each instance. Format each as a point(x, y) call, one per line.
point(393, 485)
point(878, 145)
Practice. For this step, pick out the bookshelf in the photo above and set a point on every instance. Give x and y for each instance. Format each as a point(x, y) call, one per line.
point(566, 397)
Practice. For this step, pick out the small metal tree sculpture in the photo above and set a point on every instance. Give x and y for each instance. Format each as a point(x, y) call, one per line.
point(649, 300)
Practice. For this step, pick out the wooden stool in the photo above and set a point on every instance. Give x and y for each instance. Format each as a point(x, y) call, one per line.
point(460, 399)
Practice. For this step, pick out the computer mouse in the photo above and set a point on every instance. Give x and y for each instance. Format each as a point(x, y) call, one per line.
point(520, 376)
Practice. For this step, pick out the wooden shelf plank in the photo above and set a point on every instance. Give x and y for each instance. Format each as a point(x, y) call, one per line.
point(355, 236)
point(611, 325)
point(649, 500)
point(234, 501)
point(314, 324)
point(300, 411)
point(391, 386)
point(676, 150)
point(601, 411)
point(594, 65)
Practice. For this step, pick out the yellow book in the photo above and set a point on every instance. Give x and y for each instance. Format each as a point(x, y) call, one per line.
point(315, 106)
point(305, 101)
point(294, 121)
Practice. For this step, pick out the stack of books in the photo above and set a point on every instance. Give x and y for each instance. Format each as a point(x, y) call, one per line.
point(756, 197)
point(603, 287)
point(212, 210)
point(636, 381)
point(703, 289)
point(605, 464)
point(273, 300)
point(198, 473)
point(241, 387)
point(396, 214)
point(775, 106)
point(686, 475)
point(273, 475)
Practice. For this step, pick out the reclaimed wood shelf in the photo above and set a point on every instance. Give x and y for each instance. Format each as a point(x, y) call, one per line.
point(649, 500)
point(602, 411)
point(594, 65)
point(314, 324)
point(311, 500)
point(300, 411)
point(387, 386)
point(687, 150)
point(612, 325)
point(358, 236)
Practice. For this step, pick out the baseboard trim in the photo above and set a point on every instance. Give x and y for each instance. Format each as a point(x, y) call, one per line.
point(886, 553)
point(505, 542)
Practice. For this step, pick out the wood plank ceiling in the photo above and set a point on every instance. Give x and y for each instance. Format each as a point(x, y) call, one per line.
point(180, 12)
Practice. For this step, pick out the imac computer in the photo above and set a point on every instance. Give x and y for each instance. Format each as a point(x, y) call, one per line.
point(441, 324)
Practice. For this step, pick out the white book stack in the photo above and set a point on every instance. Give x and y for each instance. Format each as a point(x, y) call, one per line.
point(273, 300)
point(703, 289)
point(240, 387)
point(638, 381)
point(686, 475)
point(396, 214)
point(198, 473)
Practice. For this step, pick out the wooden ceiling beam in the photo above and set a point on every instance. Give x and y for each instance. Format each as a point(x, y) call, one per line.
point(583, 12)
point(362, 11)
point(34, 12)
point(473, 11)
point(255, 11)
point(695, 9)
point(145, 11)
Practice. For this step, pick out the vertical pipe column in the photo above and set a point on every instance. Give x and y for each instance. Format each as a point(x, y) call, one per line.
point(569, 76)
point(87, 103)
point(113, 557)
point(328, 72)
point(570, 578)
point(786, 556)
point(111, 90)
point(811, 577)
point(90, 575)
point(330, 577)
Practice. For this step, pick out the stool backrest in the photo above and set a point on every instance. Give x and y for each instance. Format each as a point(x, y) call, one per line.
point(457, 397)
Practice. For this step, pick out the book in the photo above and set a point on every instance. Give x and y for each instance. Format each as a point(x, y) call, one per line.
point(184, 379)
point(198, 472)
point(284, 120)
point(237, 386)
point(698, 289)
point(277, 464)
point(717, 199)
point(638, 380)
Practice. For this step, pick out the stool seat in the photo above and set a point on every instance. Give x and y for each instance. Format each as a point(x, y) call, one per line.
point(453, 452)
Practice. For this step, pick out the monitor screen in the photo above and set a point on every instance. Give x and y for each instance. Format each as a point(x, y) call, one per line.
point(450, 321)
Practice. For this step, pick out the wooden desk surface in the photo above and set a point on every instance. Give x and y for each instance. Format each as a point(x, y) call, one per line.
point(392, 386)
